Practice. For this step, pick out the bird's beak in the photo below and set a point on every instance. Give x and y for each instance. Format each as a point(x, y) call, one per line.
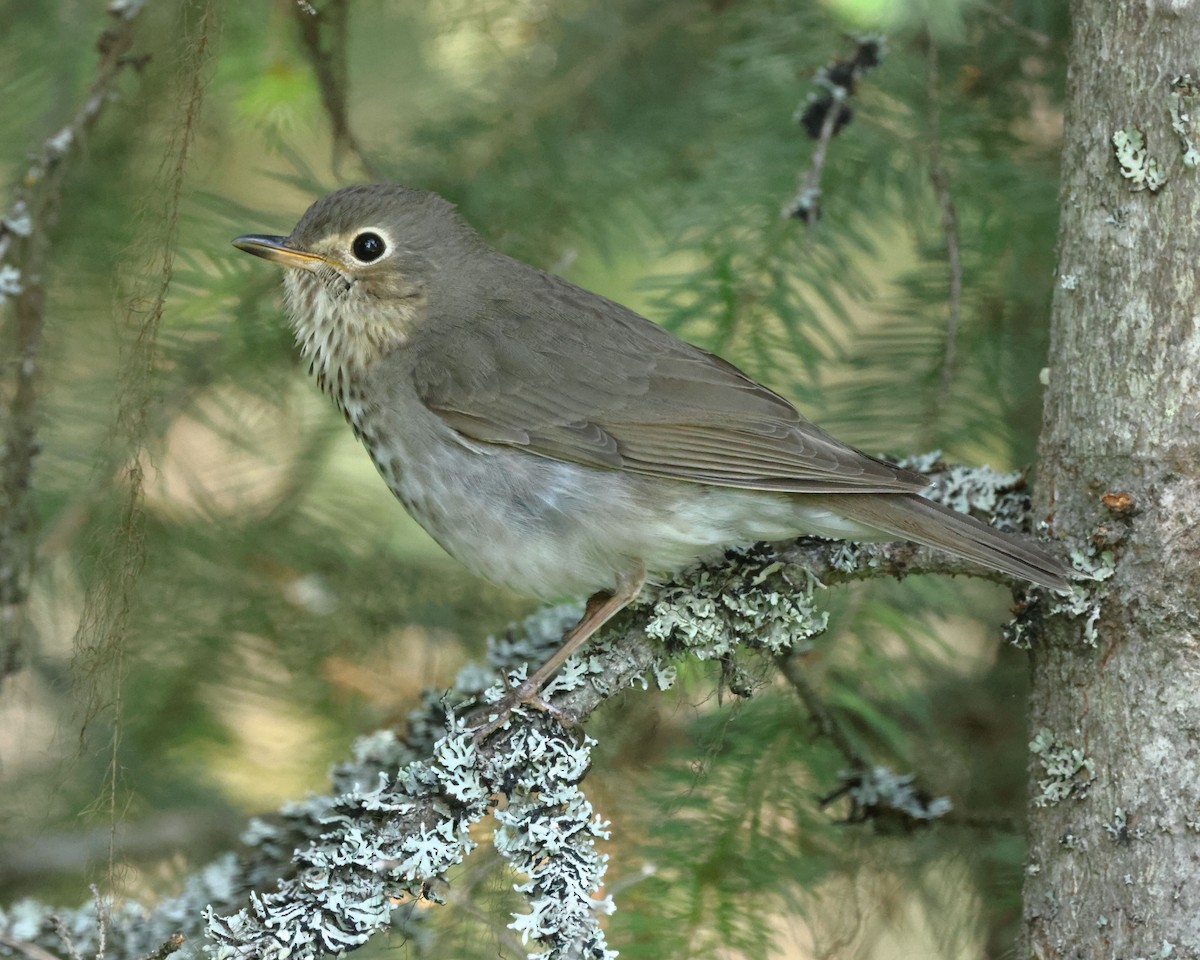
point(278, 250)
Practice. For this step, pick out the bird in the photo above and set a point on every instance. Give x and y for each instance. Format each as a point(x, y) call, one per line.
point(558, 443)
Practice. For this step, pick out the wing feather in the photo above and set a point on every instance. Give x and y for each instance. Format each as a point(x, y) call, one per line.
point(563, 373)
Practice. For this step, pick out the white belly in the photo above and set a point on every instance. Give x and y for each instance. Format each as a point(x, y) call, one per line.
point(551, 529)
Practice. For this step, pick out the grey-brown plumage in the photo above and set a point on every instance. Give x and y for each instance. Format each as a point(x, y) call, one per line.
point(555, 441)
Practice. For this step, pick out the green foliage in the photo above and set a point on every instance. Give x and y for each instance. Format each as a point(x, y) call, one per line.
point(736, 839)
point(646, 150)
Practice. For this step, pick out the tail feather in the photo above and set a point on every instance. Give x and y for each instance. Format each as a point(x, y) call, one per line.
point(912, 517)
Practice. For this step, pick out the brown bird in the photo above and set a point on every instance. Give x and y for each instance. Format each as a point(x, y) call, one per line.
point(557, 442)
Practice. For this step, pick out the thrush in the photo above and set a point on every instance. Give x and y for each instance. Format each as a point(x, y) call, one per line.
point(558, 443)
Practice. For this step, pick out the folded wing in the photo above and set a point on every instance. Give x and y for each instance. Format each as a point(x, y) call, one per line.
point(575, 377)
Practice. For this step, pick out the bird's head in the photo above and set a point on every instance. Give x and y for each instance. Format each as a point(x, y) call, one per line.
point(360, 267)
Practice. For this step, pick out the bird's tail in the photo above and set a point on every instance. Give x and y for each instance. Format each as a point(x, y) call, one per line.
point(907, 516)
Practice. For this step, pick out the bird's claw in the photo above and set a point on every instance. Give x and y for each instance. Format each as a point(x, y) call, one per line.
point(522, 695)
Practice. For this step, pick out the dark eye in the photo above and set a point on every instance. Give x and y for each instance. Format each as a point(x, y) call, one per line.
point(368, 246)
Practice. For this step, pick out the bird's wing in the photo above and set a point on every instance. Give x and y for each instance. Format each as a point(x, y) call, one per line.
point(564, 373)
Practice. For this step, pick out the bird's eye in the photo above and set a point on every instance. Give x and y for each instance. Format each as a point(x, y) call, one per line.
point(368, 247)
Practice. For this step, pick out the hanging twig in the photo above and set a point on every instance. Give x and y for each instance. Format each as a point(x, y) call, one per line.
point(25, 246)
point(100, 656)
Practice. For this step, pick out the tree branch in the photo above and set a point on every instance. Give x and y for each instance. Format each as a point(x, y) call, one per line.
point(400, 813)
point(329, 67)
point(824, 114)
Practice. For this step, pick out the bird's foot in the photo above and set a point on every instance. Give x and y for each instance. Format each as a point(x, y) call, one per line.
point(525, 694)
point(601, 607)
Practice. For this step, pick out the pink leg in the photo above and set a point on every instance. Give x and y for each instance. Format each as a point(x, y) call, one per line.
point(601, 607)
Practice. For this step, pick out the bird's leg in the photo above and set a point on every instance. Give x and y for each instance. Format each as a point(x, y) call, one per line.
point(601, 607)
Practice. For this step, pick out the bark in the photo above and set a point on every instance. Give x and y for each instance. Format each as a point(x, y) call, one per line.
point(1114, 857)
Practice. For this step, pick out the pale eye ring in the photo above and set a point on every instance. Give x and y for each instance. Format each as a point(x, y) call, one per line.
point(368, 247)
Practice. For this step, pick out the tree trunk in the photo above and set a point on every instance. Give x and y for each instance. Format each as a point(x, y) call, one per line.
point(1114, 817)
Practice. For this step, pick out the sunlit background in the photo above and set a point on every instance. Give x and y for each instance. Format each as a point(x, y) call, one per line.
point(284, 603)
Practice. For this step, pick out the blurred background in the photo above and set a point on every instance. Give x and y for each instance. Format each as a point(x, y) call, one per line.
point(224, 594)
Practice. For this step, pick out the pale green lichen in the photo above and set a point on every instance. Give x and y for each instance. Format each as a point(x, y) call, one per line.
point(10, 282)
point(665, 674)
point(125, 929)
point(980, 490)
point(1122, 830)
point(928, 462)
point(377, 846)
point(880, 791)
point(1118, 827)
point(1091, 567)
point(1182, 101)
point(1086, 602)
point(17, 221)
point(1068, 771)
point(548, 832)
point(754, 601)
point(846, 557)
point(402, 822)
point(1133, 156)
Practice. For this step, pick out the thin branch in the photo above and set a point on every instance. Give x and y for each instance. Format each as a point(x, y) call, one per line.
point(26, 949)
point(824, 114)
point(807, 203)
point(164, 949)
point(823, 718)
point(875, 793)
point(25, 244)
point(403, 812)
point(329, 66)
point(945, 200)
point(1033, 36)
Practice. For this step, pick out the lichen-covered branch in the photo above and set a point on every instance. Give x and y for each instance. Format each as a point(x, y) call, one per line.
point(399, 814)
point(25, 228)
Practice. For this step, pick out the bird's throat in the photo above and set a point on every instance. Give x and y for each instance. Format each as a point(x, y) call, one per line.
point(340, 332)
